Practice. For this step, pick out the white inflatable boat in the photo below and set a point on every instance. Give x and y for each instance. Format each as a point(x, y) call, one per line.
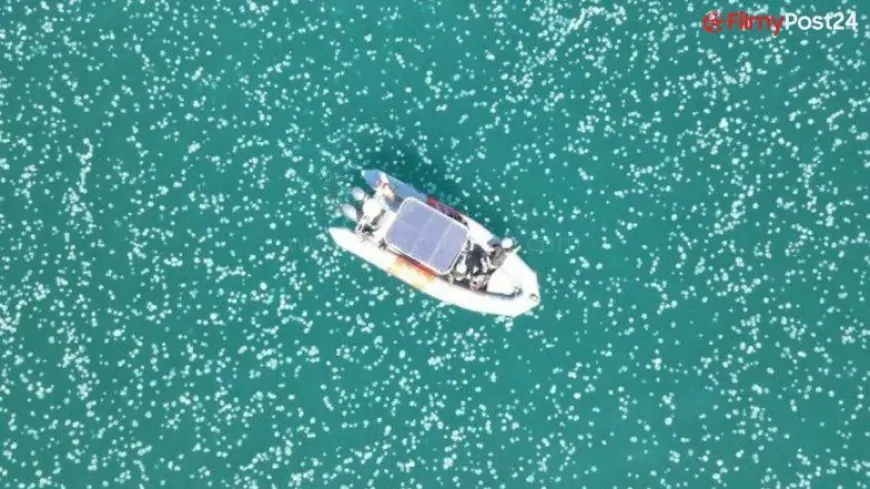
point(436, 249)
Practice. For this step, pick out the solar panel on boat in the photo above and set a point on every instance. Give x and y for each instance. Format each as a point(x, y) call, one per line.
point(427, 236)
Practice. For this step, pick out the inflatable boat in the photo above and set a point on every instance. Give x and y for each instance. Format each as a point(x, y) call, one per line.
point(436, 249)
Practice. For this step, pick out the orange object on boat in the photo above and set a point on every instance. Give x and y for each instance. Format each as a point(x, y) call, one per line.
point(411, 273)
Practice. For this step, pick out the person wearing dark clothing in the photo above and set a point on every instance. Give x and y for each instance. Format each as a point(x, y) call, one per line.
point(500, 252)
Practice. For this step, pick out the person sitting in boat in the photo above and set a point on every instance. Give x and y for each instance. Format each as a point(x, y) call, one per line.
point(478, 274)
point(460, 273)
point(500, 251)
point(385, 188)
point(477, 260)
point(372, 211)
point(479, 282)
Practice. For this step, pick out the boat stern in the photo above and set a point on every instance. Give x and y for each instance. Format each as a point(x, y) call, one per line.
point(343, 237)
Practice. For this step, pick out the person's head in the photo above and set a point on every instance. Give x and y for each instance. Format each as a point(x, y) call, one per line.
point(507, 243)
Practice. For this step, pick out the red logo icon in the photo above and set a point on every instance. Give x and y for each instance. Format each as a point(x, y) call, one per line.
point(712, 22)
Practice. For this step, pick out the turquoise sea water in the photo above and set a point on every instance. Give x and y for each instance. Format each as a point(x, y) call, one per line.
point(173, 314)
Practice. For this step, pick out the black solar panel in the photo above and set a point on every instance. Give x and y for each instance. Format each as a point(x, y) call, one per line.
point(427, 236)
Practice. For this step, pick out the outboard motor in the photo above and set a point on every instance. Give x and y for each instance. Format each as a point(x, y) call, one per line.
point(358, 194)
point(350, 212)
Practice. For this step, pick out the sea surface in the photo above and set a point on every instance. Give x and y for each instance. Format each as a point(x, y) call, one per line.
point(173, 314)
